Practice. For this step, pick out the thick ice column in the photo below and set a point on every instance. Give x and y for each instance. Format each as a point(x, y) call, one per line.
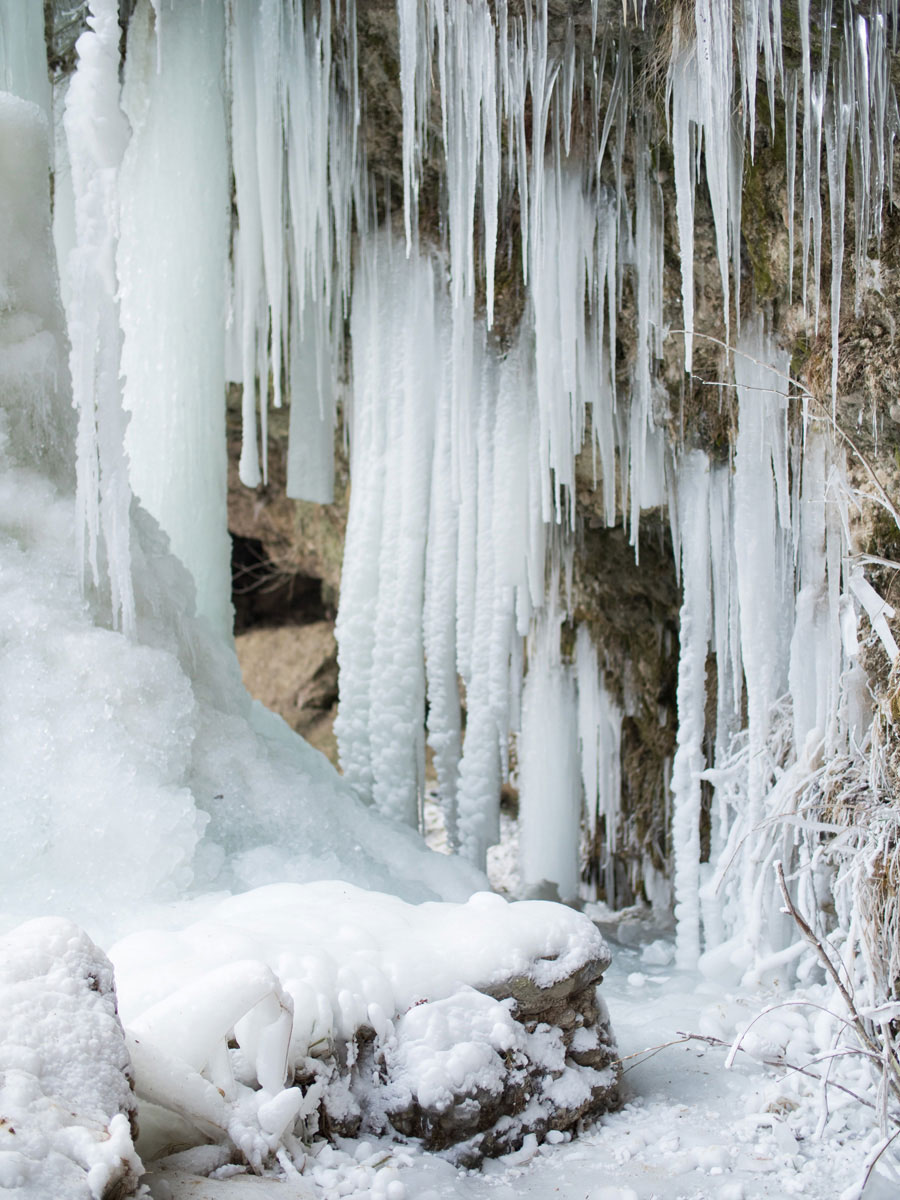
point(726, 616)
point(816, 656)
point(444, 724)
point(34, 393)
point(174, 188)
point(23, 53)
point(600, 737)
point(97, 134)
point(762, 539)
point(693, 519)
point(479, 773)
point(355, 625)
point(381, 719)
point(550, 784)
point(397, 695)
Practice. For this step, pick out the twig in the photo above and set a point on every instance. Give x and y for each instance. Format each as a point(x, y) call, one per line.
point(650, 1051)
point(781, 1063)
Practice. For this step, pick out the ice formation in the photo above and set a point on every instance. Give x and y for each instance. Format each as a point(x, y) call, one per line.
point(463, 448)
point(463, 454)
point(157, 776)
point(173, 241)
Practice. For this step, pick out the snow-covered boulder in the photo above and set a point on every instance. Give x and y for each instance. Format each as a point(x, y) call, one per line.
point(67, 1112)
point(296, 1010)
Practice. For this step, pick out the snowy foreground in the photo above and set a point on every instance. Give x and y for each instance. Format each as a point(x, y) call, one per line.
point(689, 1129)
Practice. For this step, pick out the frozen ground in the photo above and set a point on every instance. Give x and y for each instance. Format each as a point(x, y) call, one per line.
point(690, 1130)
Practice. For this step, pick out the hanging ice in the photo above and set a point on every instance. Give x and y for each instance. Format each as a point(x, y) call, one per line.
point(173, 243)
point(97, 134)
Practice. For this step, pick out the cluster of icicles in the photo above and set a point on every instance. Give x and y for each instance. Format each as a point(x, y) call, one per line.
point(462, 457)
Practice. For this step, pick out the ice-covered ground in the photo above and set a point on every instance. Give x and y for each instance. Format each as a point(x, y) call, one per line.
point(690, 1129)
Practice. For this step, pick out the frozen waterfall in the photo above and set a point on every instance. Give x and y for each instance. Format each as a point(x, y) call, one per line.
point(222, 223)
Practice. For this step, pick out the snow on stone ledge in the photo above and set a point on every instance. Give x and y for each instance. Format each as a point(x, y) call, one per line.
point(66, 1106)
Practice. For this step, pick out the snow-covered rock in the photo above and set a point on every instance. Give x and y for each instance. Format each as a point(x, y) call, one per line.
point(67, 1112)
point(467, 1025)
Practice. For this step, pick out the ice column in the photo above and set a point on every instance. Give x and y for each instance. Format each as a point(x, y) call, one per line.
point(764, 553)
point(693, 520)
point(549, 774)
point(173, 247)
point(34, 391)
point(599, 736)
point(97, 134)
point(23, 53)
point(381, 722)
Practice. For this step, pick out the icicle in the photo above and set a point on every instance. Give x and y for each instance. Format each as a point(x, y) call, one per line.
point(97, 134)
point(490, 172)
point(380, 627)
point(837, 133)
point(682, 91)
point(23, 52)
point(444, 726)
point(599, 736)
point(715, 80)
point(790, 123)
point(409, 38)
point(321, 170)
point(549, 798)
point(878, 611)
point(812, 200)
point(172, 248)
point(564, 236)
point(748, 40)
point(693, 518)
point(646, 484)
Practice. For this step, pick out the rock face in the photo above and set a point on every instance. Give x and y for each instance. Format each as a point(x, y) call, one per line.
point(67, 1111)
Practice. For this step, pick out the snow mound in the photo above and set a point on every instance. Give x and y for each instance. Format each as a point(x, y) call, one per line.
point(66, 1103)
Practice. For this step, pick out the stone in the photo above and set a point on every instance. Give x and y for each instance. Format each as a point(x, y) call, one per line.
point(530, 998)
